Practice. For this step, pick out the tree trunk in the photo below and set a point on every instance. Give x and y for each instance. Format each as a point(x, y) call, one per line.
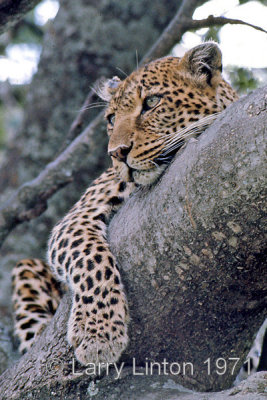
point(192, 251)
point(191, 255)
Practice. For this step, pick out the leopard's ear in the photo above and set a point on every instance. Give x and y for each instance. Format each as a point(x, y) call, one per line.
point(107, 88)
point(203, 62)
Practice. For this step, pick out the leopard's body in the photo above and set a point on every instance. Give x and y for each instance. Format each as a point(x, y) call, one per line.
point(149, 114)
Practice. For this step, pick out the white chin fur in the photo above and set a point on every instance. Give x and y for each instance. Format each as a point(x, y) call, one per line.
point(146, 177)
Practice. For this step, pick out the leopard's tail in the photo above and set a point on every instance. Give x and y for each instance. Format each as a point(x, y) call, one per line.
point(36, 295)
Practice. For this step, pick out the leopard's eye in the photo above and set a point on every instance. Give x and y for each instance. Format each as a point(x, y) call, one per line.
point(150, 102)
point(111, 119)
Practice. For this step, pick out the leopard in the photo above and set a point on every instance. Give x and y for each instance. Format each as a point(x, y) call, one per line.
point(150, 115)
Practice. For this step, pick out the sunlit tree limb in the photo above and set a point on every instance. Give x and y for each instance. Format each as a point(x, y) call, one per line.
point(217, 21)
point(181, 24)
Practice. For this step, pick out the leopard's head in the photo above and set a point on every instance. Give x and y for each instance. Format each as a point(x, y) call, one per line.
point(154, 110)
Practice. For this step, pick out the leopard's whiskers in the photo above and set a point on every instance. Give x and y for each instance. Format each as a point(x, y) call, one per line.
point(94, 105)
point(175, 140)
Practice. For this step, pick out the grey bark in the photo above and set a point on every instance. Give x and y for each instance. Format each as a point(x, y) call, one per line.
point(191, 255)
point(30, 200)
point(196, 288)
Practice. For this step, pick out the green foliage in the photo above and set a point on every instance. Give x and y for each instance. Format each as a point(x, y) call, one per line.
point(242, 79)
point(212, 34)
point(264, 2)
point(27, 32)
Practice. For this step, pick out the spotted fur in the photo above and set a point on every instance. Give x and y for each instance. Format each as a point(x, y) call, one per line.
point(150, 115)
point(34, 306)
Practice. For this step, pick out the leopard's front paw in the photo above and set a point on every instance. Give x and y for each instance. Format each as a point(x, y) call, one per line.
point(97, 339)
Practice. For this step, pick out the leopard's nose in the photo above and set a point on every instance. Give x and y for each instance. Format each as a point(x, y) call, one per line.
point(120, 153)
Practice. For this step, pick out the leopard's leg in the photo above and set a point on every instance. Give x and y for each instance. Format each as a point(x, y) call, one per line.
point(79, 255)
point(36, 295)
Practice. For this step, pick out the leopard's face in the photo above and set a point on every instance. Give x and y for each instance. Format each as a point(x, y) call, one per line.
point(154, 110)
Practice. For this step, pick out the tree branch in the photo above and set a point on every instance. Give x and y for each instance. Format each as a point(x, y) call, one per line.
point(192, 285)
point(13, 11)
point(30, 200)
point(216, 21)
point(180, 24)
point(191, 249)
point(173, 32)
point(78, 123)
